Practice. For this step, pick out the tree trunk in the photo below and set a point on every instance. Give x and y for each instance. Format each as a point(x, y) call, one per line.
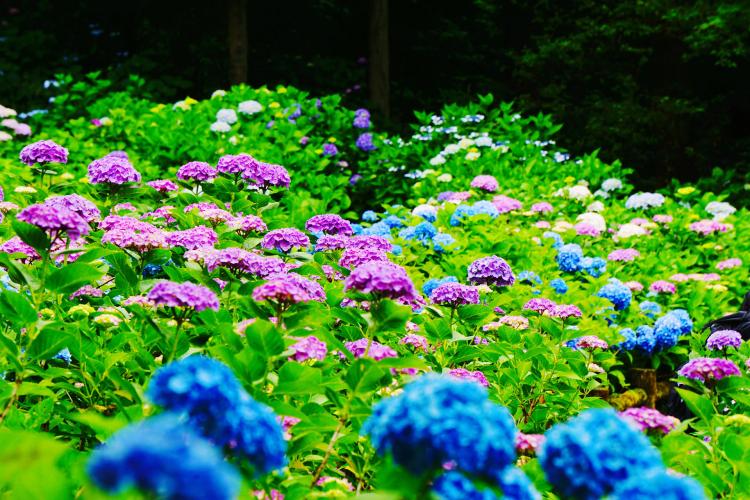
point(379, 64)
point(237, 17)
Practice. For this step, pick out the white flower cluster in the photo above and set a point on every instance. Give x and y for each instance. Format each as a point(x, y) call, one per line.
point(720, 209)
point(644, 201)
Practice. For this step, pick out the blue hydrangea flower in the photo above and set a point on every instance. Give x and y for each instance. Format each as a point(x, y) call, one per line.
point(650, 309)
point(427, 212)
point(151, 270)
point(162, 456)
point(396, 249)
point(594, 266)
point(559, 285)
point(378, 229)
point(455, 486)
point(64, 355)
point(617, 293)
point(423, 232)
point(529, 277)
point(357, 228)
point(442, 240)
point(660, 484)
point(630, 339)
point(393, 221)
point(590, 454)
point(569, 257)
point(557, 241)
point(485, 207)
point(216, 404)
point(645, 340)
point(439, 419)
point(431, 285)
point(516, 485)
point(669, 328)
point(369, 216)
point(461, 212)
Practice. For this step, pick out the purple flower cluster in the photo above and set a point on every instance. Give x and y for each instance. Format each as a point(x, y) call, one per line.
point(199, 171)
point(505, 204)
point(541, 207)
point(588, 342)
point(284, 240)
point(289, 289)
point(78, 204)
point(195, 237)
point(112, 169)
point(707, 227)
point(236, 164)
point(361, 118)
point(650, 419)
point(721, 339)
point(266, 175)
point(418, 342)
point(381, 278)
point(43, 152)
point(329, 224)
point(491, 270)
point(728, 264)
point(329, 242)
point(132, 234)
point(163, 186)
point(539, 305)
point(662, 286)
point(564, 311)
point(708, 369)
point(465, 374)
point(55, 220)
point(372, 242)
point(485, 183)
point(187, 294)
point(528, 444)
point(16, 245)
point(309, 348)
point(376, 351)
point(454, 294)
point(364, 142)
point(232, 258)
point(623, 255)
point(247, 224)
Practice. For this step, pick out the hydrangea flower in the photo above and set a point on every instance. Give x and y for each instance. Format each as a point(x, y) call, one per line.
point(623, 255)
point(442, 241)
point(617, 293)
point(289, 289)
point(721, 339)
point(569, 257)
point(650, 309)
point(587, 342)
point(250, 107)
point(650, 419)
point(247, 224)
point(195, 237)
point(465, 374)
point(453, 485)
point(284, 240)
point(364, 142)
point(164, 457)
point(113, 169)
point(216, 404)
point(78, 204)
point(485, 183)
point(309, 347)
point(708, 369)
point(539, 305)
point(381, 278)
point(492, 270)
point(43, 152)
point(644, 201)
point(198, 171)
point(728, 264)
point(590, 454)
point(707, 227)
point(662, 286)
point(720, 209)
point(559, 285)
point(236, 164)
point(370, 348)
point(594, 266)
point(564, 311)
point(361, 118)
point(163, 186)
point(418, 342)
point(432, 284)
point(267, 175)
point(187, 294)
point(670, 327)
point(661, 484)
point(541, 208)
point(438, 419)
point(454, 294)
point(353, 257)
point(505, 204)
point(329, 224)
point(55, 220)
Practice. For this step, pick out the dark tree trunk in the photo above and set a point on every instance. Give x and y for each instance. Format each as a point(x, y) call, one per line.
point(379, 64)
point(237, 17)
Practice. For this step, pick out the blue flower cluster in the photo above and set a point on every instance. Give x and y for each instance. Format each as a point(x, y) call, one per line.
point(439, 419)
point(442, 241)
point(431, 285)
point(669, 328)
point(559, 285)
point(570, 259)
point(557, 240)
point(642, 339)
point(590, 454)
point(394, 221)
point(162, 456)
point(423, 232)
point(209, 394)
point(369, 216)
point(659, 484)
point(617, 293)
point(427, 212)
point(594, 266)
point(479, 208)
point(455, 486)
point(529, 277)
point(649, 309)
point(377, 229)
point(516, 485)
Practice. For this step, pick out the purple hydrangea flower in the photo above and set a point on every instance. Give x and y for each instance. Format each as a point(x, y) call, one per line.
point(196, 171)
point(309, 348)
point(236, 164)
point(55, 220)
point(355, 257)
point(418, 342)
point(43, 152)
point(132, 234)
point(78, 204)
point(564, 311)
point(491, 270)
point(381, 278)
point(289, 289)
point(528, 444)
point(187, 294)
point(248, 224)
point(361, 118)
point(16, 245)
point(112, 169)
point(485, 183)
point(541, 207)
point(330, 149)
point(728, 264)
point(587, 342)
point(331, 242)
point(284, 240)
point(650, 419)
point(720, 339)
point(376, 351)
point(662, 286)
point(163, 186)
point(539, 305)
point(364, 142)
point(708, 369)
point(371, 241)
point(465, 374)
point(195, 237)
point(505, 204)
point(454, 294)
point(623, 255)
point(329, 224)
point(267, 175)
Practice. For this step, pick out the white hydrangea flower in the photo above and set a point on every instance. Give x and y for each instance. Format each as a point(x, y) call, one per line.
point(579, 193)
point(6, 112)
point(611, 185)
point(5, 136)
point(226, 115)
point(644, 201)
point(444, 178)
point(562, 226)
point(218, 93)
point(596, 206)
point(483, 142)
point(629, 230)
point(250, 107)
point(220, 127)
point(465, 143)
point(720, 209)
point(473, 155)
point(451, 149)
point(593, 219)
point(438, 160)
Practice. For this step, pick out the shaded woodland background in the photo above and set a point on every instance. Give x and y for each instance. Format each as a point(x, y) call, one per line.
point(662, 85)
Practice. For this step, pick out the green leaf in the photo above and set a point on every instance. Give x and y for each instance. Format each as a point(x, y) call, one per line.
point(474, 314)
point(390, 316)
point(27, 457)
point(32, 236)
point(265, 339)
point(16, 309)
point(48, 342)
point(699, 405)
point(364, 376)
point(295, 378)
point(70, 278)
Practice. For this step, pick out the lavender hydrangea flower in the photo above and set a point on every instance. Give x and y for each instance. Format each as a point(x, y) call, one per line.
point(247, 224)
point(284, 240)
point(708, 369)
point(662, 286)
point(370, 241)
point(309, 348)
point(505, 204)
point(564, 311)
point(112, 169)
point(485, 183)
point(163, 185)
point(329, 224)
point(43, 152)
point(465, 374)
point(376, 351)
point(587, 342)
point(721, 339)
point(267, 175)
point(236, 164)
point(195, 237)
point(650, 419)
point(364, 142)
point(623, 255)
point(289, 289)
point(491, 270)
point(55, 220)
point(133, 234)
point(539, 305)
point(381, 278)
point(355, 257)
point(331, 242)
point(455, 294)
point(187, 294)
point(16, 246)
point(77, 204)
point(232, 258)
point(330, 149)
point(199, 171)
point(418, 342)
point(361, 118)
